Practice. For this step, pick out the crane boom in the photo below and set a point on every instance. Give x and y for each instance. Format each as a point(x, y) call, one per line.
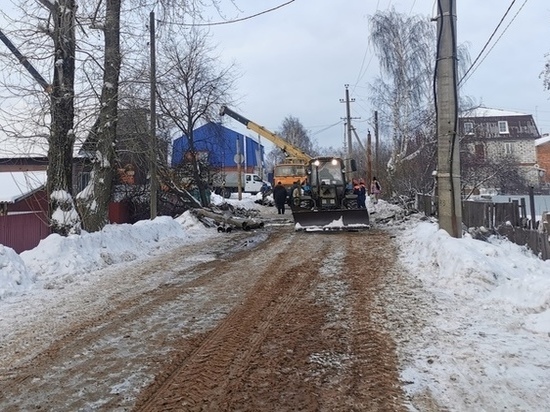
point(23, 60)
point(289, 149)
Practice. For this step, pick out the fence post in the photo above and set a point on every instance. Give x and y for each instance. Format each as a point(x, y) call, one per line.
point(532, 203)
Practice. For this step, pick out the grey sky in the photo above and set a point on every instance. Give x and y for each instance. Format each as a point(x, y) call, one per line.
point(296, 60)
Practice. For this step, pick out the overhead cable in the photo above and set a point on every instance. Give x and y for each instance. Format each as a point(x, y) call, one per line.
point(488, 41)
point(219, 23)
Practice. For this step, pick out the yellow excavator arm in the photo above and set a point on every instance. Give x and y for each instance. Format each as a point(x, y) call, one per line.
point(289, 149)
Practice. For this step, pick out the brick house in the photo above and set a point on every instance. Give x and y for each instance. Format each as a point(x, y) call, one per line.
point(497, 134)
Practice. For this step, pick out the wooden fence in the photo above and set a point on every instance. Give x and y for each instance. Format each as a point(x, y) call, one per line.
point(505, 219)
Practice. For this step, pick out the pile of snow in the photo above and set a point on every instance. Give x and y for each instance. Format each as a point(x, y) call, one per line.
point(486, 310)
point(74, 255)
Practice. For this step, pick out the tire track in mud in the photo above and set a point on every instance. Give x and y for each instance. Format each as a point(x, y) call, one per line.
point(379, 388)
point(204, 379)
point(304, 338)
point(287, 325)
point(75, 354)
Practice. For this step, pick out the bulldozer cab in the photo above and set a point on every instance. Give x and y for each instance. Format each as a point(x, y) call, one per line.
point(327, 172)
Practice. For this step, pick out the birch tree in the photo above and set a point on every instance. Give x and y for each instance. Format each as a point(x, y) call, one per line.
point(405, 47)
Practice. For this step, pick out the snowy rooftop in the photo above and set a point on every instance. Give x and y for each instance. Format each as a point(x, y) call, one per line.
point(542, 140)
point(27, 147)
point(15, 184)
point(12, 147)
point(488, 112)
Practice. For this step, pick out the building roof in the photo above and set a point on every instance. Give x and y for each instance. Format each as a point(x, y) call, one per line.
point(542, 140)
point(488, 112)
point(16, 185)
point(27, 147)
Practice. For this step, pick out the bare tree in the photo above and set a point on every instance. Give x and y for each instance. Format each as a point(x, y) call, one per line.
point(94, 200)
point(100, 63)
point(406, 49)
point(500, 171)
point(191, 90)
point(294, 133)
point(63, 216)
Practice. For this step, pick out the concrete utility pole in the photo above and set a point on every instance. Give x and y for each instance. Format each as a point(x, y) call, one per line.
point(448, 169)
point(348, 117)
point(153, 150)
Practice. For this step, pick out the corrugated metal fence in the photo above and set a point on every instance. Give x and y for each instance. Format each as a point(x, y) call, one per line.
point(23, 231)
point(505, 219)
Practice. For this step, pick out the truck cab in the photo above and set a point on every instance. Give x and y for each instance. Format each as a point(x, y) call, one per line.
point(252, 183)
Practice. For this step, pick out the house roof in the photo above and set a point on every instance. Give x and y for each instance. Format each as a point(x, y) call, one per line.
point(542, 140)
point(27, 147)
point(17, 185)
point(17, 148)
point(486, 123)
point(488, 112)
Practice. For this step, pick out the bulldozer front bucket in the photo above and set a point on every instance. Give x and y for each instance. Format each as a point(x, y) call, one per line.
point(338, 219)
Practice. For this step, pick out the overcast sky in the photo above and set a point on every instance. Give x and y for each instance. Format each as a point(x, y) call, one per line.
point(296, 60)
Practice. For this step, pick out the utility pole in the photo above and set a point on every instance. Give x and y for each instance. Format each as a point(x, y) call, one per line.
point(153, 142)
point(239, 159)
point(348, 118)
point(369, 160)
point(448, 173)
point(375, 144)
point(261, 157)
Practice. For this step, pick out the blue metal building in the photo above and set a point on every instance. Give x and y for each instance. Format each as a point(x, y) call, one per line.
point(219, 145)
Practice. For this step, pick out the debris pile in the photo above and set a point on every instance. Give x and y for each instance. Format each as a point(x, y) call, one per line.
point(226, 218)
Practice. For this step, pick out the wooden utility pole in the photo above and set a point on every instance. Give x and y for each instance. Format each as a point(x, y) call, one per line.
point(448, 169)
point(153, 142)
point(348, 118)
point(369, 160)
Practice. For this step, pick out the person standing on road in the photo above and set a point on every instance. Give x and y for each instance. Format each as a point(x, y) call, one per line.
point(361, 192)
point(375, 190)
point(264, 190)
point(295, 194)
point(279, 196)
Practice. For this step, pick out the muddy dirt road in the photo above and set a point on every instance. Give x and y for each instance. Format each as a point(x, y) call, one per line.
point(275, 320)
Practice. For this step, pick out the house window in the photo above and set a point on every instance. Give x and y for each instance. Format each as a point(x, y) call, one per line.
point(507, 148)
point(503, 127)
point(468, 128)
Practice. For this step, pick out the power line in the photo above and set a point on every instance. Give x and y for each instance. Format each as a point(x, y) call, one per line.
point(219, 23)
point(488, 41)
point(493, 46)
point(326, 128)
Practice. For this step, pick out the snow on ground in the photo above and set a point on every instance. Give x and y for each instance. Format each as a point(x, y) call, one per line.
point(486, 343)
point(486, 340)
